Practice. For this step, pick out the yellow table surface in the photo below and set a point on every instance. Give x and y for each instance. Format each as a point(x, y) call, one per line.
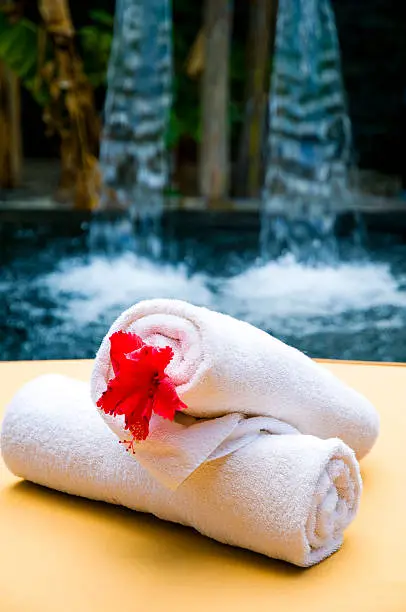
point(61, 553)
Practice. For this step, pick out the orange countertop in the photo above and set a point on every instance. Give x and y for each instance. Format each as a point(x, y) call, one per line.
point(65, 554)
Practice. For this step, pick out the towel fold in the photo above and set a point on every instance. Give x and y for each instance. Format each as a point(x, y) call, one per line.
point(174, 450)
point(223, 366)
point(287, 496)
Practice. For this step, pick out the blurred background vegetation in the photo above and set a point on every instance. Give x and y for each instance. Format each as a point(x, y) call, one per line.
point(374, 61)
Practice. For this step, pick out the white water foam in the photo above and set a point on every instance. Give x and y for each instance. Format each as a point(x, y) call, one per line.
point(282, 295)
point(88, 291)
point(284, 291)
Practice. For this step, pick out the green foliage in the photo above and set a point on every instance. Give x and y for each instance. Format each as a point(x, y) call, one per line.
point(181, 125)
point(185, 113)
point(103, 18)
point(19, 50)
point(18, 46)
point(95, 44)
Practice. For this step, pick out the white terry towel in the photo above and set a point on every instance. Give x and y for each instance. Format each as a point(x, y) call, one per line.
point(222, 366)
point(288, 497)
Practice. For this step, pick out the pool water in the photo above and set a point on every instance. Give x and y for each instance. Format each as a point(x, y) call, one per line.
point(59, 296)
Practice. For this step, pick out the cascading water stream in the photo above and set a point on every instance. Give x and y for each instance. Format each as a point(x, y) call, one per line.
point(133, 155)
point(309, 143)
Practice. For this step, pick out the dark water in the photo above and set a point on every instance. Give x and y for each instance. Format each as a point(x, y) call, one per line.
point(59, 297)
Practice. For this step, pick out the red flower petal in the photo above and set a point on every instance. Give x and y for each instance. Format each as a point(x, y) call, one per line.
point(166, 401)
point(152, 358)
point(119, 389)
point(121, 344)
point(140, 385)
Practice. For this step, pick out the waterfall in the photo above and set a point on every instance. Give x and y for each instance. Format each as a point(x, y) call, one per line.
point(310, 140)
point(133, 154)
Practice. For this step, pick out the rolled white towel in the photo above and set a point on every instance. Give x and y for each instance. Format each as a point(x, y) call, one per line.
point(288, 497)
point(222, 366)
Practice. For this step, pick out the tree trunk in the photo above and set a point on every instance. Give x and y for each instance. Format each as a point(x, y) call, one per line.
point(71, 112)
point(10, 128)
point(214, 154)
point(260, 44)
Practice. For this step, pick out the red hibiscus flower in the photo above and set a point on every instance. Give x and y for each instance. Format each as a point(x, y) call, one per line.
point(140, 385)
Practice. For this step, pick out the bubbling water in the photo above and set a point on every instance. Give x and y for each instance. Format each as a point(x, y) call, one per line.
point(284, 295)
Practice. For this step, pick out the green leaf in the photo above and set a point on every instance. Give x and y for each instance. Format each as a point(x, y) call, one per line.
point(19, 50)
point(102, 17)
point(18, 47)
point(174, 131)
